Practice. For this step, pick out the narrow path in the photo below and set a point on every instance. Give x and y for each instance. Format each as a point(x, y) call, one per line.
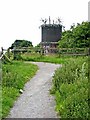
point(36, 101)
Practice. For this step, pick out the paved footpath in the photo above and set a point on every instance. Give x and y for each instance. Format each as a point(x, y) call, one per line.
point(36, 101)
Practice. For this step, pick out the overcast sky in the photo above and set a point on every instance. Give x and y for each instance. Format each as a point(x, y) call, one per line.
point(20, 19)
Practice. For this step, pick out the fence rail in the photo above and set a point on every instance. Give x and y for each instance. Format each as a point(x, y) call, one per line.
point(60, 51)
point(74, 51)
point(44, 51)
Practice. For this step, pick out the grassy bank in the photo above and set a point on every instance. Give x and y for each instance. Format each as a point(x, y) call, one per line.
point(52, 58)
point(70, 87)
point(14, 76)
point(42, 58)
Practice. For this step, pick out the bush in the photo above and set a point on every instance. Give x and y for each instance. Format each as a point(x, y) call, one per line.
point(70, 86)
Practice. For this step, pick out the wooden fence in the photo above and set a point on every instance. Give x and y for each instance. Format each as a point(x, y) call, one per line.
point(74, 51)
point(3, 56)
point(45, 51)
point(60, 51)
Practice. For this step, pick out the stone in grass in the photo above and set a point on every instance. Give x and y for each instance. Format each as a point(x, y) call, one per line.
point(21, 91)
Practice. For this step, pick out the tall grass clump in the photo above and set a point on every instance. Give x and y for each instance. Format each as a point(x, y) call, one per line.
point(14, 76)
point(53, 58)
point(70, 87)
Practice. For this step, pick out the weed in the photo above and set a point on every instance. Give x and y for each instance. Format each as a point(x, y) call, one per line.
point(14, 77)
point(70, 87)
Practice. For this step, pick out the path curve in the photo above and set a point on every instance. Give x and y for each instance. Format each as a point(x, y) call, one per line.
point(36, 101)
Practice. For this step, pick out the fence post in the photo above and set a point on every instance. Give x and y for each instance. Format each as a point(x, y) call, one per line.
point(2, 50)
point(8, 53)
point(14, 56)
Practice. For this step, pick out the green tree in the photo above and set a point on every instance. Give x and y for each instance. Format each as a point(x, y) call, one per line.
point(21, 43)
point(82, 34)
point(77, 36)
point(66, 40)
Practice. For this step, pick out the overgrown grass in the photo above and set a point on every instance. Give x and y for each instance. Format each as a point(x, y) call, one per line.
point(14, 76)
point(52, 58)
point(70, 87)
point(42, 58)
point(70, 83)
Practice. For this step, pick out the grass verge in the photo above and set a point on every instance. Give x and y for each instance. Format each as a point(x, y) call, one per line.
point(14, 77)
point(70, 87)
point(52, 58)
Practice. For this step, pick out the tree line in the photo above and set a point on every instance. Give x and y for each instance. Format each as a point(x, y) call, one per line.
point(78, 36)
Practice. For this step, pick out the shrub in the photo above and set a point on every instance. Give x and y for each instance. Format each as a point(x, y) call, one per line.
point(70, 86)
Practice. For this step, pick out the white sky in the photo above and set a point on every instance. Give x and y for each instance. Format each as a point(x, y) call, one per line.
point(20, 19)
